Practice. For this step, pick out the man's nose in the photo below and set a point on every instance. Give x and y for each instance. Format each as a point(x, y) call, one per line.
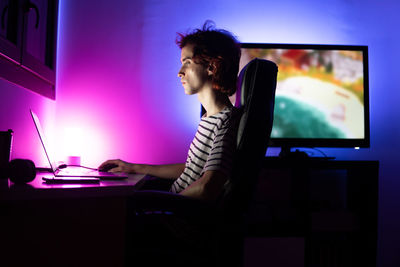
point(181, 73)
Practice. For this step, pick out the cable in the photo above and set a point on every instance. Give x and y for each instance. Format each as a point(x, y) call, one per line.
point(63, 166)
point(320, 151)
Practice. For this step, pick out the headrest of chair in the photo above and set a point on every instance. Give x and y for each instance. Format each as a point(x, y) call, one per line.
point(256, 94)
point(248, 77)
point(245, 75)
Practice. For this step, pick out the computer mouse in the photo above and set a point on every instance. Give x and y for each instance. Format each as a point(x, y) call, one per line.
point(108, 167)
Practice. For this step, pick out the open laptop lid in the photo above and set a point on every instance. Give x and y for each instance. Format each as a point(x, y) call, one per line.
point(39, 129)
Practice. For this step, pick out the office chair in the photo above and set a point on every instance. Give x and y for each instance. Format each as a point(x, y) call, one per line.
point(169, 229)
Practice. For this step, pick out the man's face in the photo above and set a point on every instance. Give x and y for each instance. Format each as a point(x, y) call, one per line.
point(194, 77)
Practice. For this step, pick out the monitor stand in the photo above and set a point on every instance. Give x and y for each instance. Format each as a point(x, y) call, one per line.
point(298, 155)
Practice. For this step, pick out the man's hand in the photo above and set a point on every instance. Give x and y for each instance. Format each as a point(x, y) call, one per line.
point(117, 165)
point(168, 171)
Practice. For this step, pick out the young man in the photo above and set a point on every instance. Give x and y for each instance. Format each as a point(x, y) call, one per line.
point(210, 64)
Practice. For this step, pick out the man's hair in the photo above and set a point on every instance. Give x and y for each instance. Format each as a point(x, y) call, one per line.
point(216, 48)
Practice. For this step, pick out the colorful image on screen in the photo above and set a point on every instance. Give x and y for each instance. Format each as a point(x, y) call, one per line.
point(319, 94)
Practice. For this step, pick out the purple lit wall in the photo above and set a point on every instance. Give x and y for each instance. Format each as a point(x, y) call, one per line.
point(118, 95)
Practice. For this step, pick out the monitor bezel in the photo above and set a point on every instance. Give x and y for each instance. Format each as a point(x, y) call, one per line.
point(325, 142)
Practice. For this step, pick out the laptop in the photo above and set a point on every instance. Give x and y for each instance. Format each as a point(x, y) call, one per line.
point(71, 173)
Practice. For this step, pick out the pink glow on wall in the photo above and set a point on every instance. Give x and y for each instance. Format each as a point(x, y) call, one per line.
point(110, 104)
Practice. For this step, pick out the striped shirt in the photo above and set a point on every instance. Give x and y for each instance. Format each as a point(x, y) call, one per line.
point(212, 148)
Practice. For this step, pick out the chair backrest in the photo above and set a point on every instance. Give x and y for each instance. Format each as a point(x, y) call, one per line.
point(256, 97)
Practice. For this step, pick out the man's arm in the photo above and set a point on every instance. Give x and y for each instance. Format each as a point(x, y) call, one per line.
point(208, 187)
point(168, 171)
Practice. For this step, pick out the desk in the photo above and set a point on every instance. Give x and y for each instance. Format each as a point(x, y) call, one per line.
point(64, 225)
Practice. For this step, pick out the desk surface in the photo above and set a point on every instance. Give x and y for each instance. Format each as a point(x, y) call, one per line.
point(38, 189)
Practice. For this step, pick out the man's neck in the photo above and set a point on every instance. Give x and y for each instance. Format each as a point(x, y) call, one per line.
point(213, 102)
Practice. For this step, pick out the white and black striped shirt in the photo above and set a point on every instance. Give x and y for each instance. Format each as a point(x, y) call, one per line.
point(212, 148)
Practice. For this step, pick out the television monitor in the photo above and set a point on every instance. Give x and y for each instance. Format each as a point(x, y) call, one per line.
point(321, 95)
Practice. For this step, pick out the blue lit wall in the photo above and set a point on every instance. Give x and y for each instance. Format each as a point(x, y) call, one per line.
point(118, 95)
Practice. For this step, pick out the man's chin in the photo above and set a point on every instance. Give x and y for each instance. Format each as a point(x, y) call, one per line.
point(189, 92)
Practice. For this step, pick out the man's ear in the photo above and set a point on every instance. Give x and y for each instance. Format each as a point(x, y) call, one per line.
point(211, 68)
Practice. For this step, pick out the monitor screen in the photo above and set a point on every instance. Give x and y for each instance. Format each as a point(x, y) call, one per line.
point(321, 95)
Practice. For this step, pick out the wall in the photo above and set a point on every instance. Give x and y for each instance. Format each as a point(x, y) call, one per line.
point(118, 94)
point(15, 103)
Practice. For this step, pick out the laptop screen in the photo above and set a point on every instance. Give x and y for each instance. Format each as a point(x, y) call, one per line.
point(43, 141)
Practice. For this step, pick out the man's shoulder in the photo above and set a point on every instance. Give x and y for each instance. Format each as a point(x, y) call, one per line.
point(229, 118)
point(231, 114)
point(226, 113)
point(222, 119)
